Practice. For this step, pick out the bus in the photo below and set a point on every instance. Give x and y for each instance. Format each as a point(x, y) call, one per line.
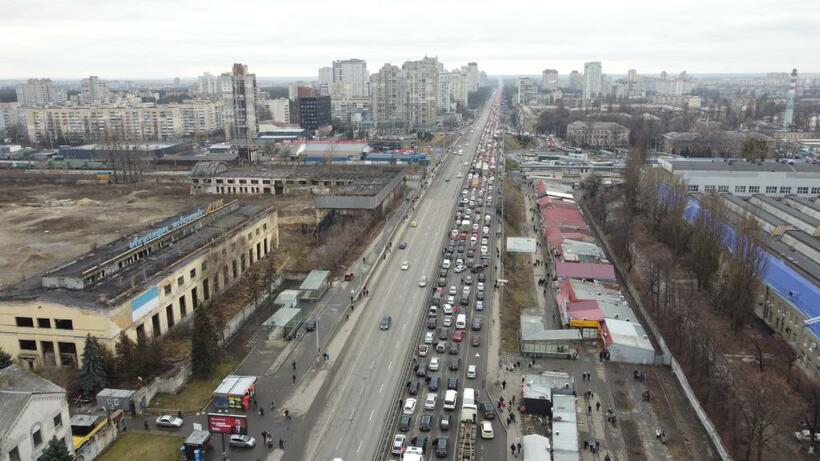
point(85, 427)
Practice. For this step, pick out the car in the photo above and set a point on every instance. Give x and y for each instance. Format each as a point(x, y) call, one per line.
point(441, 447)
point(448, 320)
point(424, 349)
point(486, 429)
point(445, 264)
point(423, 281)
point(485, 230)
point(443, 333)
point(444, 422)
point(434, 363)
point(455, 364)
point(476, 324)
point(169, 421)
point(441, 346)
point(419, 446)
point(242, 441)
point(421, 371)
point(431, 322)
point(413, 223)
point(428, 337)
point(460, 269)
point(475, 340)
point(479, 296)
point(409, 406)
point(479, 305)
point(468, 280)
point(430, 401)
point(413, 387)
point(442, 281)
point(458, 336)
point(404, 422)
point(447, 309)
point(442, 273)
point(432, 385)
point(451, 300)
point(479, 286)
point(482, 277)
point(397, 446)
point(310, 325)
point(386, 322)
point(472, 371)
point(452, 384)
point(402, 245)
point(405, 265)
point(454, 349)
point(487, 409)
point(453, 290)
point(426, 422)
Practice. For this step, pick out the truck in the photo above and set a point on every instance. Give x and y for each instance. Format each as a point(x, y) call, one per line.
point(467, 426)
point(413, 454)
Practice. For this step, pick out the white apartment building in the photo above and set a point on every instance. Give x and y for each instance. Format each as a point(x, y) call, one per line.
point(458, 87)
point(549, 79)
point(527, 90)
point(444, 103)
point(208, 85)
point(593, 79)
point(34, 411)
point(279, 109)
point(325, 75)
point(94, 91)
point(473, 76)
point(52, 126)
point(239, 98)
point(40, 92)
point(388, 98)
point(422, 91)
point(352, 72)
point(10, 115)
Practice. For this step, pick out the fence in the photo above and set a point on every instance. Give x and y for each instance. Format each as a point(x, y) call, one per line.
point(101, 440)
point(668, 357)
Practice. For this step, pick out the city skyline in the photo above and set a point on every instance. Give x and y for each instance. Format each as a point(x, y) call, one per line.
point(504, 42)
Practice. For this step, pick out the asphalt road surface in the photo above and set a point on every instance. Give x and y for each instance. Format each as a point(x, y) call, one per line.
point(360, 393)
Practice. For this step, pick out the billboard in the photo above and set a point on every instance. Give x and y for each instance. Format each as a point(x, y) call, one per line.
point(227, 424)
point(520, 245)
point(144, 303)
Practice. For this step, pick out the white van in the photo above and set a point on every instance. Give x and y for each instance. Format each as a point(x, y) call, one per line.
point(450, 399)
point(461, 321)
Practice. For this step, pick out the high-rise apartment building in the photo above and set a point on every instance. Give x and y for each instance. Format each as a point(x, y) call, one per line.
point(10, 116)
point(444, 103)
point(94, 91)
point(632, 75)
point(473, 76)
point(279, 109)
point(549, 79)
point(592, 80)
point(458, 87)
point(239, 97)
point(527, 90)
point(40, 92)
point(325, 75)
point(422, 91)
point(576, 80)
point(208, 85)
point(353, 73)
point(388, 98)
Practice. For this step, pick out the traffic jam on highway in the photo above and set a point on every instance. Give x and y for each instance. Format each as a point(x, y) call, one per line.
point(444, 404)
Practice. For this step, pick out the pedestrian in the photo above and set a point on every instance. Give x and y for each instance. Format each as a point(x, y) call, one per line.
point(508, 420)
point(518, 446)
point(272, 404)
point(254, 402)
point(293, 364)
point(589, 409)
point(294, 379)
point(597, 406)
point(513, 400)
point(145, 425)
point(261, 412)
point(281, 444)
point(512, 448)
point(179, 413)
point(504, 384)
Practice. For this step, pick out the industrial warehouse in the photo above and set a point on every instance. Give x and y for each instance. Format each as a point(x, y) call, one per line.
point(141, 284)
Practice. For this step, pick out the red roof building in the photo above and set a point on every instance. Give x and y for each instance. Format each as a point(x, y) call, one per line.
point(589, 271)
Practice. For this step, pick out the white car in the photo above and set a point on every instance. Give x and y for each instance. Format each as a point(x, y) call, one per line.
point(479, 305)
point(451, 300)
point(423, 350)
point(486, 430)
point(453, 290)
point(459, 269)
point(445, 264)
point(459, 175)
point(447, 309)
point(434, 362)
point(448, 320)
point(480, 286)
point(475, 227)
point(483, 249)
point(430, 401)
point(423, 281)
point(485, 230)
point(244, 441)
point(409, 406)
point(405, 265)
point(428, 337)
point(398, 444)
point(169, 421)
point(472, 370)
point(484, 241)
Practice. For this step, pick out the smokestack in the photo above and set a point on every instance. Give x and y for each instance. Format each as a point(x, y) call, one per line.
point(788, 116)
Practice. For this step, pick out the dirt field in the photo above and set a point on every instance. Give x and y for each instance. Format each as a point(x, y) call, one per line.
point(47, 225)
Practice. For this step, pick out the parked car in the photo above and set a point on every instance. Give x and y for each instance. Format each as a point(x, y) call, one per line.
point(444, 422)
point(413, 387)
point(434, 362)
point(455, 364)
point(452, 384)
point(441, 447)
point(487, 409)
point(169, 421)
point(424, 349)
point(243, 441)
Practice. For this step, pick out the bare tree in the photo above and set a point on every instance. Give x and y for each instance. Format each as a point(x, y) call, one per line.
point(740, 274)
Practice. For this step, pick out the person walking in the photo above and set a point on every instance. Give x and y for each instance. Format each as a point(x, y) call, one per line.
point(597, 406)
point(145, 425)
point(512, 448)
point(294, 379)
point(281, 444)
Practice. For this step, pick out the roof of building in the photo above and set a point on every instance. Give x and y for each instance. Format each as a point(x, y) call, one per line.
point(541, 385)
point(17, 386)
point(585, 309)
point(712, 164)
point(794, 215)
point(314, 280)
point(592, 271)
point(565, 424)
point(628, 334)
point(536, 447)
point(804, 201)
point(581, 251)
point(116, 393)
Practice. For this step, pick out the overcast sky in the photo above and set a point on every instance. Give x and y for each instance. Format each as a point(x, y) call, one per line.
point(173, 38)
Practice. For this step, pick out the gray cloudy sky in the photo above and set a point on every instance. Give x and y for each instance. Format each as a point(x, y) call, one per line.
point(169, 38)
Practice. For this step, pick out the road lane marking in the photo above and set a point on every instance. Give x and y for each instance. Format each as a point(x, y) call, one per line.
point(381, 388)
point(360, 446)
point(371, 415)
point(390, 365)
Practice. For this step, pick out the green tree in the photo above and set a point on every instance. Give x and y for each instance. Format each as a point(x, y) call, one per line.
point(5, 359)
point(125, 360)
point(204, 343)
point(94, 372)
point(55, 451)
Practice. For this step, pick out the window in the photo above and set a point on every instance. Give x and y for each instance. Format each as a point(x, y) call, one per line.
point(785, 189)
point(771, 189)
point(14, 454)
point(723, 188)
point(193, 273)
point(28, 345)
point(181, 281)
point(708, 188)
point(694, 188)
point(44, 323)
point(754, 189)
point(815, 190)
point(37, 437)
point(63, 324)
point(167, 289)
point(169, 315)
point(25, 322)
point(802, 190)
point(204, 266)
point(183, 310)
point(58, 421)
point(740, 189)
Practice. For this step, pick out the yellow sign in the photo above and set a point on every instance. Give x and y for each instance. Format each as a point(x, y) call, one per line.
point(584, 323)
point(213, 206)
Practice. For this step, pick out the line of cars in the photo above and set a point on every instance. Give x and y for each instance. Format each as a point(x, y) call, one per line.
point(450, 322)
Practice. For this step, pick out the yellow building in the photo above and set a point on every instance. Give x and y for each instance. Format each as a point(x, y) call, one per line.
point(142, 284)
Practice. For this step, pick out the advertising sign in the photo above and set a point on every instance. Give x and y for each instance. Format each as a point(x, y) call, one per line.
point(227, 424)
point(144, 303)
point(520, 245)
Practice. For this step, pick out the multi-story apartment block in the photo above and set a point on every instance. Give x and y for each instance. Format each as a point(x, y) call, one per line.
point(352, 72)
point(388, 99)
point(422, 91)
point(94, 91)
point(444, 101)
point(458, 87)
point(473, 76)
point(40, 92)
point(279, 109)
point(549, 79)
point(597, 134)
point(593, 79)
point(208, 85)
point(52, 126)
point(527, 90)
point(11, 116)
point(576, 81)
point(239, 97)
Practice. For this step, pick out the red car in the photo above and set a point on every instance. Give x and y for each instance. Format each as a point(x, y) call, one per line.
point(476, 340)
point(458, 336)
